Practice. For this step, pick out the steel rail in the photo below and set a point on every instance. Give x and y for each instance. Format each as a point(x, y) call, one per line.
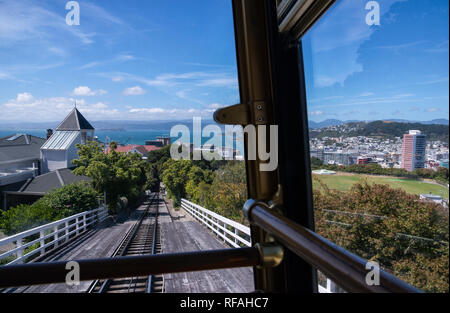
point(128, 266)
point(122, 248)
point(150, 277)
point(346, 269)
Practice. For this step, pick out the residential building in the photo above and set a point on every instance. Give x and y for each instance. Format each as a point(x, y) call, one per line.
point(36, 187)
point(338, 158)
point(159, 142)
point(363, 160)
point(19, 161)
point(143, 150)
point(413, 150)
point(60, 149)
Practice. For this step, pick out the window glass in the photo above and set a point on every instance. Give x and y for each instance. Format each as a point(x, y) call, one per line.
point(377, 99)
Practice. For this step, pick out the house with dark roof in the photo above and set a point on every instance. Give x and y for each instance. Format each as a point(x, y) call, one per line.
point(36, 187)
point(60, 149)
point(19, 161)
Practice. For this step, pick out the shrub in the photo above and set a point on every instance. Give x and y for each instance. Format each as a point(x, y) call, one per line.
point(407, 236)
point(57, 204)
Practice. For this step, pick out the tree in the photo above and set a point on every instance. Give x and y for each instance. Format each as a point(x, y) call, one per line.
point(117, 174)
point(229, 190)
point(223, 191)
point(199, 181)
point(316, 163)
point(175, 177)
point(57, 204)
point(407, 236)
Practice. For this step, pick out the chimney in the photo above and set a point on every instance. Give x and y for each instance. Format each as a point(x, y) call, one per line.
point(49, 133)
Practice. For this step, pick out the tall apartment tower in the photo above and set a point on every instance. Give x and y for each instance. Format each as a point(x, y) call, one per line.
point(413, 150)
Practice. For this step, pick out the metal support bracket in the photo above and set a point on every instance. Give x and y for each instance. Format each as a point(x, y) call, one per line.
point(232, 115)
point(238, 114)
point(271, 254)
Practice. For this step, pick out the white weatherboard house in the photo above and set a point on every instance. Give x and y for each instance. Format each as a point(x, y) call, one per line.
point(59, 150)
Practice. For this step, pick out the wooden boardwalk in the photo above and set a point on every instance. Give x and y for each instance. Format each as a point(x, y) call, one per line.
point(98, 243)
point(186, 234)
point(179, 232)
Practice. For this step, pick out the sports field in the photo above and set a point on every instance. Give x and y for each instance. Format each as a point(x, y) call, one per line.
point(344, 182)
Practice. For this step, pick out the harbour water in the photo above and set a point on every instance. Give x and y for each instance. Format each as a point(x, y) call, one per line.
point(123, 137)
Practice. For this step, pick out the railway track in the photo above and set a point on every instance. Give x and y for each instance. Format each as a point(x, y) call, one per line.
point(143, 238)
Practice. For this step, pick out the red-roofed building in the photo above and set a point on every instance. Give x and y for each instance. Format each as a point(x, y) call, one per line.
point(151, 148)
point(142, 150)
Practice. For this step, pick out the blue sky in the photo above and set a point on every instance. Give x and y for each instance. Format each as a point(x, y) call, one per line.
point(165, 59)
point(174, 59)
point(396, 70)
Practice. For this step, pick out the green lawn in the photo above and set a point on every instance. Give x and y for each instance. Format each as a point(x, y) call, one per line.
point(344, 183)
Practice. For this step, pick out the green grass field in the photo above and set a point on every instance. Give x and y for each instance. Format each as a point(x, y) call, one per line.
point(344, 183)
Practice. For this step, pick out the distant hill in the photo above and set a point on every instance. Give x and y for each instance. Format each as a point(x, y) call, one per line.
point(164, 125)
point(326, 123)
point(334, 122)
point(440, 121)
point(382, 129)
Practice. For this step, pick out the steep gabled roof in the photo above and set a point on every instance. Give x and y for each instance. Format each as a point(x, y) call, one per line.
point(52, 180)
point(74, 121)
point(20, 147)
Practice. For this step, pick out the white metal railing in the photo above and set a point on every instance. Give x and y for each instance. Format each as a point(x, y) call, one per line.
point(330, 287)
point(51, 235)
point(231, 232)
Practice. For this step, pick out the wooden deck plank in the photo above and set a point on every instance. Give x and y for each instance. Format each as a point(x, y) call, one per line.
point(101, 244)
point(191, 236)
point(184, 234)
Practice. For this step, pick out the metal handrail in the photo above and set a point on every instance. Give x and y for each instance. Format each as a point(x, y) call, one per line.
point(129, 266)
point(343, 267)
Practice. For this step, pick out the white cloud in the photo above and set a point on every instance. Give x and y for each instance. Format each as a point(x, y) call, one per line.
point(434, 81)
point(327, 47)
point(89, 65)
point(219, 82)
point(23, 21)
point(86, 91)
point(57, 51)
point(25, 106)
point(54, 109)
point(117, 78)
point(189, 79)
point(24, 97)
point(97, 12)
point(151, 110)
point(5, 75)
point(161, 113)
point(134, 91)
point(403, 95)
point(215, 105)
point(366, 94)
point(117, 59)
point(316, 113)
point(125, 57)
point(432, 109)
